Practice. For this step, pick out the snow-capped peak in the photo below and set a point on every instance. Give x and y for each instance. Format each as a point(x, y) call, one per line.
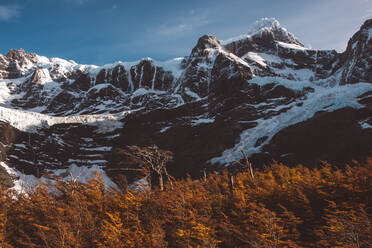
point(266, 25)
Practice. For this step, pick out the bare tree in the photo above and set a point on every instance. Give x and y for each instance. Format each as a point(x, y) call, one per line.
point(240, 165)
point(152, 158)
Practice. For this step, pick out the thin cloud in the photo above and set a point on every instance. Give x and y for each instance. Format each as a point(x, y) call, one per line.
point(175, 29)
point(184, 25)
point(80, 2)
point(368, 14)
point(368, 11)
point(8, 12)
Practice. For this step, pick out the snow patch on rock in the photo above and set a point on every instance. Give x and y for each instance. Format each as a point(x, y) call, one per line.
point(83, 174)
point(202, 121)
point(365, 124)
point(291, 46)
point(256, 58)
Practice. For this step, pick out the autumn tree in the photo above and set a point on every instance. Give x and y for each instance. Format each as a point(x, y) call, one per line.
point(4, 206)
point(346, 226)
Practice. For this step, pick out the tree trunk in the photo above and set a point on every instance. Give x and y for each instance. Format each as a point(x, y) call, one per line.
point(161, 182)
point(231, 177)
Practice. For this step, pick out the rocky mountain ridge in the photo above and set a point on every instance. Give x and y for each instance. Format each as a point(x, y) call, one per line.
point(260, 93)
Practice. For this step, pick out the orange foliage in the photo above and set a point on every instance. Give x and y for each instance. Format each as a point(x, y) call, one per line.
point(277, 207)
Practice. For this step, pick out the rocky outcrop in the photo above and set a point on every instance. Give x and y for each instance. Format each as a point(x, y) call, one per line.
point(211, 70)
point(37, 76)
point(118, 77)
point(195, 80)
point(16, 63)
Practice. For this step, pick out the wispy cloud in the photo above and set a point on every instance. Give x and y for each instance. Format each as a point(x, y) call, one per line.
point(8, 12)
point(80, 2)
point(368, 14)
point(368, 10)
point(184, 25)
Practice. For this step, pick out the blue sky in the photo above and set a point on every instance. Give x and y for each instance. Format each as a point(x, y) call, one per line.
point(104, 31)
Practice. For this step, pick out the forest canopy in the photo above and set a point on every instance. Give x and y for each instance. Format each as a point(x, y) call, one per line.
point(275, 207)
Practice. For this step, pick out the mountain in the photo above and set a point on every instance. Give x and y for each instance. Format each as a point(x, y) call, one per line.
point(262, 93)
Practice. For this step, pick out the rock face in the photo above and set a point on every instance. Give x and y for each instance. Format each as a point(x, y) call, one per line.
point(228, 76)
point(263, 93)
point(150, 76)
point(7, 137)
point(356, 61)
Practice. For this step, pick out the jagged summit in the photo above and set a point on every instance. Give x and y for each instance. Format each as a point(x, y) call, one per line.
point(267, 27)
point(17, 53)
point(207, 41)
point(264, 23)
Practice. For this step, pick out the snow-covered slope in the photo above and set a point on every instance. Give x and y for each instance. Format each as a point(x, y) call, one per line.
point(322, 99)
point(32, 121)
point(241, 94)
